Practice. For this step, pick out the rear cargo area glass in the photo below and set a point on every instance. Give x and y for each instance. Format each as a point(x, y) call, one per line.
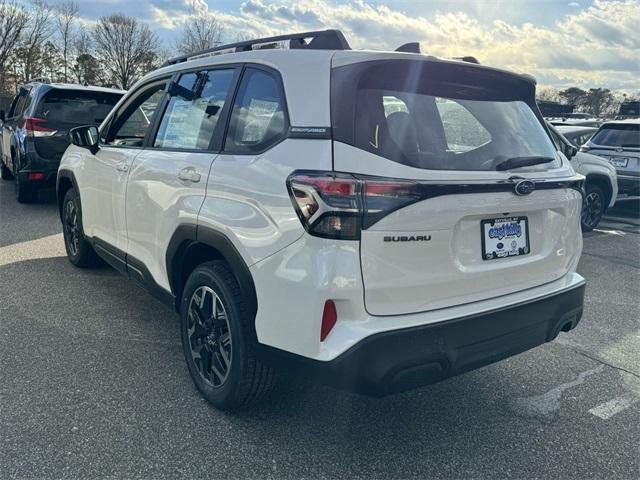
point(435, 115)
point(76, 106)
point(618, 135)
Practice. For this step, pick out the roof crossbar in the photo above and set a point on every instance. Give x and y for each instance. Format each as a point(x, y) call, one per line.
point(318, 40)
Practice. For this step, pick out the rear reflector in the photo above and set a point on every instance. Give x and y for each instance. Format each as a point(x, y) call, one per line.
point(35, 176)
point(329, 319)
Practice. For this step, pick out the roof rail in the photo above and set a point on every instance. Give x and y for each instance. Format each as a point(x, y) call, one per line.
point(319, 40)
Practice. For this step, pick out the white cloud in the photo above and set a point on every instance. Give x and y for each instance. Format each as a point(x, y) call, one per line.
point(594, 46)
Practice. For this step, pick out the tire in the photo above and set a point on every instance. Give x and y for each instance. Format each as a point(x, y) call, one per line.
point(593, 206)
point(220, 351)
point(25, 192)
point(79, 251)
point(5, 173)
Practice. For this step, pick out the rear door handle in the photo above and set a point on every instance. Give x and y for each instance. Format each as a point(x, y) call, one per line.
point(189, 174)
point(122, 167)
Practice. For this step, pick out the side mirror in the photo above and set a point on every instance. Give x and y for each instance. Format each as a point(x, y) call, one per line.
point(85, 137)
point(570, 151)
point(3, 116)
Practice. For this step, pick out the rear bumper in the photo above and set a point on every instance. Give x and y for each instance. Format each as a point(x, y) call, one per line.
point(629, 184)
point(399, 360)
point(34, 163)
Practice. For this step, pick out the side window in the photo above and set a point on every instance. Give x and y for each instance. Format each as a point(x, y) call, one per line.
point(12, 107)
point(194, 109)
point(130, 125)
point(462, 130)
point(20, 103)
point(258, 117)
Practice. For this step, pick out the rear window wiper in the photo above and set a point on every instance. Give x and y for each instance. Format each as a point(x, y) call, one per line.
point(518, 162)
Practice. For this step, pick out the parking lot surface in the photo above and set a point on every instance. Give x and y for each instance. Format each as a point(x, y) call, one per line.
point(93, 384)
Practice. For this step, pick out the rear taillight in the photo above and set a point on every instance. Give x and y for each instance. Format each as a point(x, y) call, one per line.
point(33, 128)
point(338, 205)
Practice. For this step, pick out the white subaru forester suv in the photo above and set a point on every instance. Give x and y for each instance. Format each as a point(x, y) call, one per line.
point(376, 221)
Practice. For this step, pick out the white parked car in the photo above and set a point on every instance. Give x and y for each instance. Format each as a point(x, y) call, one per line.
point(601, 183)
point(619, 142)
point(376, 220)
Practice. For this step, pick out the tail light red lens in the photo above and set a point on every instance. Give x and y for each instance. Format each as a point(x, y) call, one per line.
point(337, 205)
point(329, 319)
point(33, 128)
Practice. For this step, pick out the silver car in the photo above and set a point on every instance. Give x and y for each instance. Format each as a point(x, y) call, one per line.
point(619, 143)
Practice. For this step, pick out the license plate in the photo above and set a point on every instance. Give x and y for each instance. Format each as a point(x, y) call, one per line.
point(619, 161)
point(504, 237)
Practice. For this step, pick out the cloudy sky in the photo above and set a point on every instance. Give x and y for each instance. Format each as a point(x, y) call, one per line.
point(587, 43)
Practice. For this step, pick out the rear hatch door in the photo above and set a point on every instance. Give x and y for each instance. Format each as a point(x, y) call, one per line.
point(477, 202)
point(62, 109)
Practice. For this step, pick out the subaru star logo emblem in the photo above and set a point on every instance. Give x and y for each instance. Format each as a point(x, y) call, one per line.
point(524, 187)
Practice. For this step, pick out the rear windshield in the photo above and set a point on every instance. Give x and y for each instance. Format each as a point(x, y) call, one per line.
point(618, 135)
point(438, 116)
point(76, 106)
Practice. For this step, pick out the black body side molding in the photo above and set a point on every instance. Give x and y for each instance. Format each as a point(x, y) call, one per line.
point(133, 269)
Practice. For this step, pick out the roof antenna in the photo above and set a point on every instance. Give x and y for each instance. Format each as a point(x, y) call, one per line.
point(411, 47)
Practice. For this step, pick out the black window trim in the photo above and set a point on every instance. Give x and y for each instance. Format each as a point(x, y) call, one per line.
point(277, 76)
point(215, 145)
point(108, 123)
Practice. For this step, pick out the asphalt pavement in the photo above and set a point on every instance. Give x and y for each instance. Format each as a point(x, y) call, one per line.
point(93, 384)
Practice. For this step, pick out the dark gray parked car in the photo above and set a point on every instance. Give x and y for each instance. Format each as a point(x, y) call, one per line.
point(35, 130)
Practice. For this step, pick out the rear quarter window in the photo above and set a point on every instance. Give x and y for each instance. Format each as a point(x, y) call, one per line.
point(258, 118)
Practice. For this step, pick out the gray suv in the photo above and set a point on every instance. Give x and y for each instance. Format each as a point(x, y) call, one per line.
point(35, 130)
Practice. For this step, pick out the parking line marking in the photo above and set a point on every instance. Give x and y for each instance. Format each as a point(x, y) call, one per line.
point(610, 232)
point(615, 406)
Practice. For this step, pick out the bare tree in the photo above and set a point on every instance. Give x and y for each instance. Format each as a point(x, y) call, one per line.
point(66, 16)
point(202, 31)
point(124, 45)
point(549, 94)
point(39, 29)
point(13, 19)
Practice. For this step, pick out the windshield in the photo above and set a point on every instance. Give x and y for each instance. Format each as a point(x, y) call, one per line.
point(77, 107)
point(618, 135)
point(442, 117)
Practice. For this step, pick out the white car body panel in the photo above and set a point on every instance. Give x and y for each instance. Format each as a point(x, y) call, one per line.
point(409, 277)
point(159, 201)
point(300, 282)
point(104, 180)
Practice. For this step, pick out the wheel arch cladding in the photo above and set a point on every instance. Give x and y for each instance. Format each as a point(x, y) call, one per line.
point(64, 183)
point(603, 182)
point(191, 246)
